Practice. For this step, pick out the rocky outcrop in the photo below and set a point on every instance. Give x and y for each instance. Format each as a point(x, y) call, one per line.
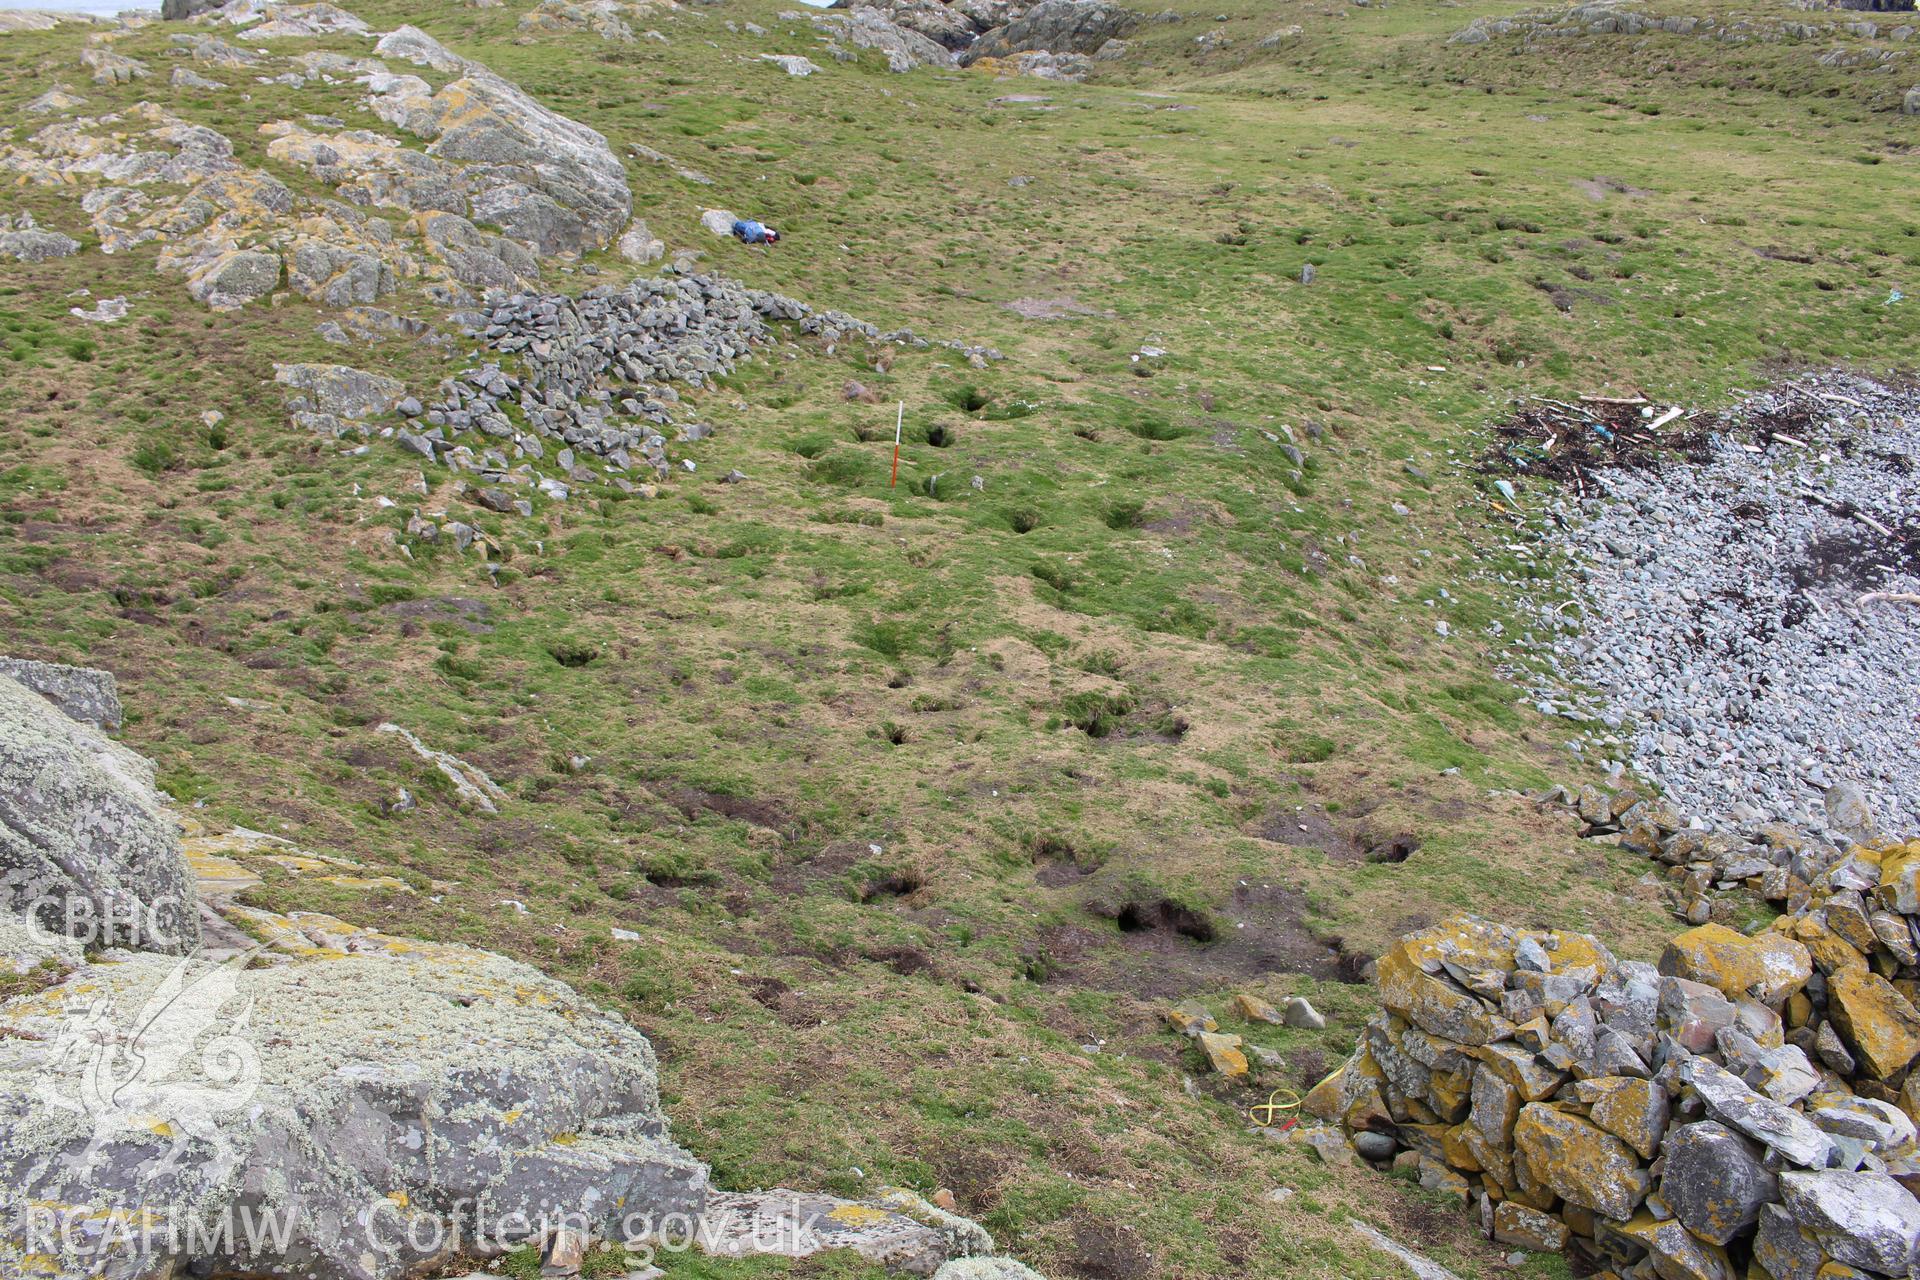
point(905, 48)
point(86, 848)
point(1057, 27)
point(953, 27)
point(57, 99)
point(340, 389)
point(605, 18)
point(26, 947)
point(544, 180)
point(384, 1104)
point(1042, 65)
point(82, 693)
point(503, 183)
point(109, 67)
point(1747, 1096)
point(12, 20)
point(26, 242)
point(304, 21)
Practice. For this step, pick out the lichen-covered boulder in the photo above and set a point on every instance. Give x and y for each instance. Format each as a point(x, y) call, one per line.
point(1224, 1054)
point(1520, 1226)
point(1675, 1252)
point(745, 1224)
point(986, 1269)
point(948, 27)
point(1899, 887)
point(1787, 1252)
point(905, 48)
point(1421, 978)
point(86, 694)
point(35, 245)
point(25, 947)
point(1578, 1161)
point(1729, 1100)
point(380, 1102)
point(1769, 967)
point(86, 848)
point(1861, 1219)
point(1879, 1024)
point(1633, 1110)
point(340, 389)
point(109, 67)
point(229, 279)
point(1714, 1182)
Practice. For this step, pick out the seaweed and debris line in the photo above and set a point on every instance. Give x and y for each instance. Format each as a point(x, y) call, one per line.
point(1571, 441)
point(1744, 619)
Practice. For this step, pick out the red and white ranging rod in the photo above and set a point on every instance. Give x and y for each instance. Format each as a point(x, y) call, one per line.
point(900, 416)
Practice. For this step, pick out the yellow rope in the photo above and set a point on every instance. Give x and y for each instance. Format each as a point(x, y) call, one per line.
point(1273, 1108)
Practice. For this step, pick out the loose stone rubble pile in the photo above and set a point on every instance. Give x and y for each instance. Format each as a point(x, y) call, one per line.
point(1776, 863)
point(1743, 1108)
point(596, 370)
point(1746, 621)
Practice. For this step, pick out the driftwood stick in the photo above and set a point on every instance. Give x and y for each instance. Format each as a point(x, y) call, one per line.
point(1893, 597)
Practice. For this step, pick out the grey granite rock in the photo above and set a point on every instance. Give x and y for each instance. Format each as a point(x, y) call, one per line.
point(381, 1107)
point(85, 694)
point(86, 847)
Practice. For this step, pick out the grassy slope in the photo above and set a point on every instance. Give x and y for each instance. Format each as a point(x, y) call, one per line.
point(1139, 542)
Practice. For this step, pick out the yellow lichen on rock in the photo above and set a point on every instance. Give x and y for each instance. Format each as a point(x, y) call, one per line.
point(1432, 1003)
point(1254, 1009)
point(1879, 1023)
point(1576, 1160)
point(1224, 1054)
point(1830, 952)
point(1767, 967)
point(858, 1215)
point(1190, 1020)
point(1899, 888)
point(1633, 1110)
point(1677, 1253)
point(1568, 952)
